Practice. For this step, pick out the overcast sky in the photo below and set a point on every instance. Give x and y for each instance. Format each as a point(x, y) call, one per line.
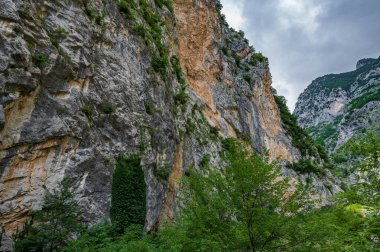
point(306, 39)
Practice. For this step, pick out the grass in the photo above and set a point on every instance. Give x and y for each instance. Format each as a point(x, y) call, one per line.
point(140, 30)
point(127, 8)
point(167, 3)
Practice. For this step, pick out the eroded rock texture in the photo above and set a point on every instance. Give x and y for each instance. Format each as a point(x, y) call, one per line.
point(78, 89)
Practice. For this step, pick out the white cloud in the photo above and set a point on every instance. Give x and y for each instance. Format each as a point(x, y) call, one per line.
point(306, 39)
point(300, 13)
point(234, 13)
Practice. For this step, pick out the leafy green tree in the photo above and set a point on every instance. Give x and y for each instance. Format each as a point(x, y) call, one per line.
point(246, 206)
point(352, 223)
point(103, 238)
point(54, 226)
point(363, 197)
point(363, 155)
point(128, 202)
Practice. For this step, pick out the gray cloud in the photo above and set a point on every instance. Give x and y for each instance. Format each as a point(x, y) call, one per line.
point(307, 39)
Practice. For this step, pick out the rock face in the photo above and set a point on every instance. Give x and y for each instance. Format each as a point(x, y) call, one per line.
point(333, 107)
point(80, 85)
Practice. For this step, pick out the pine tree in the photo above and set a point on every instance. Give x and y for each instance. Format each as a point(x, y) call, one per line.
point(54, 226)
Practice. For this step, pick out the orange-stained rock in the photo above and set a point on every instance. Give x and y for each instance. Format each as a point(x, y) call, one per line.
point(35, 168)
point(168, 208)
point(197, 32)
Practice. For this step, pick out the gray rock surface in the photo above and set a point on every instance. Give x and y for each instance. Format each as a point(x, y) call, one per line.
point(61, 62)
point(334, 107)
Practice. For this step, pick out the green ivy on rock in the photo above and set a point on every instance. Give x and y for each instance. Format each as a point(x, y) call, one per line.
point(128, 202)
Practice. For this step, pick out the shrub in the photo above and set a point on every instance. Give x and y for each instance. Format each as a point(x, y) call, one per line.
point(40, 60)
point(214, 131)
point(176, 67)
point(241, 33)
point(257, 58)
point(90, 11)
point(61, 32)
point(152, 19)
point(87, 110)
point(107, 108)
point(190, 127)
point(205, 161)
point(128, 201)
point(306, 166)
point(162, 172)
point(225, 51)
point(149, 108)
point(247, 78)
point(159, 64)
point(57, 35)
point(228, 144)
point(124, 6)
point(181, 98)
point(237, 60)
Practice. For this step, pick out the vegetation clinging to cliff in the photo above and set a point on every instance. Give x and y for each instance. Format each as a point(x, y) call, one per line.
point(128, 194)
point(308, 148)
point(242, 207)
point(344, 80)
point(55, 225)
point(300, 138)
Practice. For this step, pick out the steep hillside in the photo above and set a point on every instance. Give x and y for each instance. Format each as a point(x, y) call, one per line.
point(82, 82)
point(336, 106)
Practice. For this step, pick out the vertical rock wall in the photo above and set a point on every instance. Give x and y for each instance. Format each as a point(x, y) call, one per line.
point(63, 63)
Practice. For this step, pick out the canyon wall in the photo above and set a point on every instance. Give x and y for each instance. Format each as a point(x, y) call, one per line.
point(80, 85)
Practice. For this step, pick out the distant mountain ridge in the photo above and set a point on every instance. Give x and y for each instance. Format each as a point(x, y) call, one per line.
point(336, 106)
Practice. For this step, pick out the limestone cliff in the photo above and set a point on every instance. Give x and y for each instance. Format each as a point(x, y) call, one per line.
point(334, 107)
point(84, 81)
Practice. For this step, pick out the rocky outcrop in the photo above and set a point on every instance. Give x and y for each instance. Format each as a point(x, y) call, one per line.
point(232, 104)
point(334, 107)
point(80, 84)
